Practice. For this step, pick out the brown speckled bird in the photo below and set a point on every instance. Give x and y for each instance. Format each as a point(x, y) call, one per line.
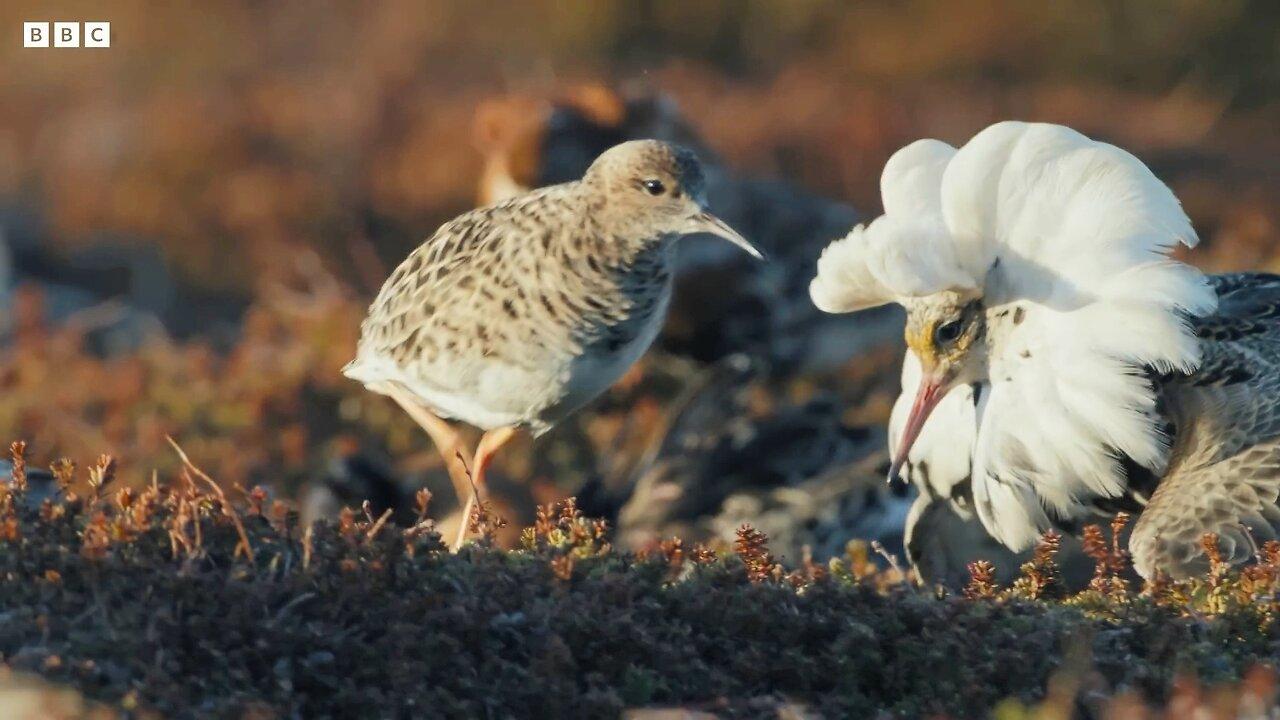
point(516, 314)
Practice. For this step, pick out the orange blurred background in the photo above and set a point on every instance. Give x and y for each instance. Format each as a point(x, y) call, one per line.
point(247, 172)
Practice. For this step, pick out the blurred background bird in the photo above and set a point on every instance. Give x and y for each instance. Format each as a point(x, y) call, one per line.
point(1071, 365)
point(796, 471)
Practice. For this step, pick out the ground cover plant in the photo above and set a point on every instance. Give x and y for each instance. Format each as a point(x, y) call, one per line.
point(182, 599)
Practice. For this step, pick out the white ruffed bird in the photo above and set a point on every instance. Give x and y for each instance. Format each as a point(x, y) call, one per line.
point(1062, 366)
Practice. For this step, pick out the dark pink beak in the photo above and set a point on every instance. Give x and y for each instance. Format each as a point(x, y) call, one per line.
point(927, 398)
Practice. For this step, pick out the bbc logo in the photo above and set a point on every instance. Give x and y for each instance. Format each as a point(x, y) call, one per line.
point(66, 34)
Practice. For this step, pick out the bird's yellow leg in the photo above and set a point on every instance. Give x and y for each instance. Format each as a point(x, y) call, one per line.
point(448, 441)
point(489, 445)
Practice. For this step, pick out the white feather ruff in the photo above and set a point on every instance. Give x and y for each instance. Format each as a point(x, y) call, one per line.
point(1074, 233)
point(897, 254)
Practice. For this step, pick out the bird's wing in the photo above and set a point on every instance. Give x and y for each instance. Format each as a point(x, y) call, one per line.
point(1224, 473)
point(440, 303)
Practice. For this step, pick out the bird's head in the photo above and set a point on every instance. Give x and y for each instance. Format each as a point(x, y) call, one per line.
point(947, 333)
point(658, 188)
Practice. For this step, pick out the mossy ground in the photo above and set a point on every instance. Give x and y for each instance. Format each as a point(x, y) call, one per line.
point(175, 601)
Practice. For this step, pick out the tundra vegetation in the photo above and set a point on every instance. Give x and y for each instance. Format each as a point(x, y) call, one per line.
point(180, 598)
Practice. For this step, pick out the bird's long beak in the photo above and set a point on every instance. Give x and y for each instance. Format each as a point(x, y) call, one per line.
point(927, 398)
point(708, 223)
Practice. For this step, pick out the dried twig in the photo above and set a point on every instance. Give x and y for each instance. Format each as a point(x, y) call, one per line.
point(373, 531)
point(307, 547)
point(227, 508)
point(889, 557)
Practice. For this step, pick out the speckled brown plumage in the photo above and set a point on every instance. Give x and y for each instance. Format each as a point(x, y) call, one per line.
point(1224, 469)
point(515, 314)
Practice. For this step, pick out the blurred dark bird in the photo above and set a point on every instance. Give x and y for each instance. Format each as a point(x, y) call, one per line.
point(796, 472)
point(349, 479)
point(118, 293)
point(516, 314)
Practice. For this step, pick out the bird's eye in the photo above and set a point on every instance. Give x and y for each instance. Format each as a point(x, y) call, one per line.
point(946, 333)
point(654, 187)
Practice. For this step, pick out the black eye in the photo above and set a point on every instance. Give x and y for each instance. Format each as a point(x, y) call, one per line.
point(947, 333)
point(654, 187)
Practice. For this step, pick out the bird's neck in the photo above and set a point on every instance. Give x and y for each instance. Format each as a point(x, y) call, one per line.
point(622, 252)
point(1009, 346)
